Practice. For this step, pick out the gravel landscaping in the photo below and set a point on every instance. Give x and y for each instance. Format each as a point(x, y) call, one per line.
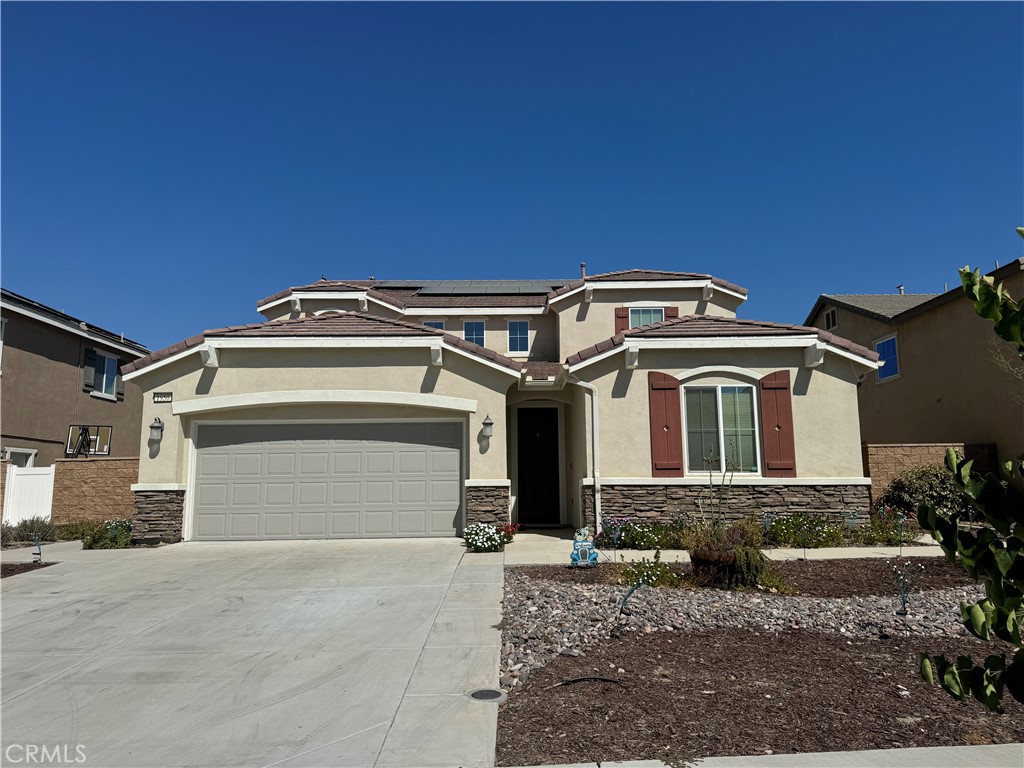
point(697, 672)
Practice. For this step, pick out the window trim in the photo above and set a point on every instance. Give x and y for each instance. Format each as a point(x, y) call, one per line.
point(879, 379)
point(69, 448)
point(98, 390)
point(508, 337)
point(659, 308)
point(758, 458)
point(483, 331)
point(30, 452)
point(832, 313)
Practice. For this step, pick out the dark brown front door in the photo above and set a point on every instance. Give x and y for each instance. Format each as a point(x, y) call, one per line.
point(538, 492)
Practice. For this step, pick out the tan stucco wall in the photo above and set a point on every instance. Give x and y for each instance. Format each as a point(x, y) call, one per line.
point(42, 392)
point(949, 390)
point(825, 423)
point(379, 370)
point(582, 324)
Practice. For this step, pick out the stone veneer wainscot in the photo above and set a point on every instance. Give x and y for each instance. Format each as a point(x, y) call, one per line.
point(487, 504)
point(158, 517)
point(666, 503)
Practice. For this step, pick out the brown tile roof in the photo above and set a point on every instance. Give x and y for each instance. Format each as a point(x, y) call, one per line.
point(880, 306)
point(350, 324)
point(645, 275)
point(319, 285)
point(536, 369)
point(710, 326)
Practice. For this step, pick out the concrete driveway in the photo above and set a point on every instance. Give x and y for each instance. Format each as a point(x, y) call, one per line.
point(322, 653)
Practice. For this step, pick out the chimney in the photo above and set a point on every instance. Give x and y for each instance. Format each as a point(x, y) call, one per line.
point(900, 289)
point(583, 270)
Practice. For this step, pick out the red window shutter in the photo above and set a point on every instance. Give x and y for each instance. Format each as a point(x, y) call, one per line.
point(621, 319)
point(666, 426)
point(671, 312)
point(777, 425)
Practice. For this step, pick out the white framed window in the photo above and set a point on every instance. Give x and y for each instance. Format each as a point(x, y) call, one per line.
point(721, 424)
point(3, 329)
point(888, 356)
point(20, 457)
point(473, 330)
point(439, 324)
point(89, 440)
point(645, 316)
point(831, 319)
point(518, 336)
point(105, 381)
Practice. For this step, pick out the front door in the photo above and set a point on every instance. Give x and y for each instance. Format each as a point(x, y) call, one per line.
point(537, 452)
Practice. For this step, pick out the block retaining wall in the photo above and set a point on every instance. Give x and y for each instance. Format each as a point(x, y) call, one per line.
point(95, 488)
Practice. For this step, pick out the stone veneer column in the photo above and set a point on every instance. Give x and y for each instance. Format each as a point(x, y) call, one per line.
point(589, 509)
point(487, 504)
point(158, 517)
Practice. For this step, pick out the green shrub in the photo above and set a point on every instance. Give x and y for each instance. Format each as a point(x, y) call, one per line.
point(653, 573)
point(30, 528)
point(882, 529)
point(113, 534)
point(76, 529)
point(935, 486)
point(806, 530)
point(6, 534)
point(639, 536)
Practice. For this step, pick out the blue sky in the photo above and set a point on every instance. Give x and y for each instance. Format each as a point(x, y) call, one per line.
point(166, 165)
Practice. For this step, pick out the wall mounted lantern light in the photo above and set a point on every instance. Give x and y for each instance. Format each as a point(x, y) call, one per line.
point(488, 429)
point(156, 430)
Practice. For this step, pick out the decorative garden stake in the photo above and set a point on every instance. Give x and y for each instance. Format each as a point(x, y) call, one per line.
point(851, 520)
point(583, 552)
point(769, 521)
point(634, 588)
point(37, 556)
point(901, 518)
point(906, 576)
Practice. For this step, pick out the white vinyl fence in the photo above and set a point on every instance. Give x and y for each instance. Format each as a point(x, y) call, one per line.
point(28, 493)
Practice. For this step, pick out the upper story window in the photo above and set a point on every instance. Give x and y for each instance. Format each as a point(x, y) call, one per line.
point(645, 316)
point(439, 324)
point(473, 330)
point(720, 422)
point(101, 377)
point(519, 336)
point(88, 440)
point(888, 357)
point(831, 319)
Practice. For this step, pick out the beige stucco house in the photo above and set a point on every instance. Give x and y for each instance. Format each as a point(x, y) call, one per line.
point(413, 408)
point(940, 382)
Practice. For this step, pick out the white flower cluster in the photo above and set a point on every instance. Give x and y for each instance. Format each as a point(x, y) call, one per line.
point(481, 537)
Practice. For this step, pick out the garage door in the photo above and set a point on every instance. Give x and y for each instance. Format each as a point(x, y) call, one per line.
point(305, 481)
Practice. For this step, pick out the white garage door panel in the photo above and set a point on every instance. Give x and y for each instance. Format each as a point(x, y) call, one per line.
point(327, 480)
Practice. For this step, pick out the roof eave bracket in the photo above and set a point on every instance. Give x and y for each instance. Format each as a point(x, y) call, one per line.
point(208, 354)
point(814, 355)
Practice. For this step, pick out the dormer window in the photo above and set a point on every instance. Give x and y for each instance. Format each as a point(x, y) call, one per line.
point(645, 316)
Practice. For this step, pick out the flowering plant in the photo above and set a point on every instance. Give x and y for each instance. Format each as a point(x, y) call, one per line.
point(482, 537)
point(509, 530)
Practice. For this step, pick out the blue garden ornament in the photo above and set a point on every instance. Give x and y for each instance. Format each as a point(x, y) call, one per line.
point(583, 552)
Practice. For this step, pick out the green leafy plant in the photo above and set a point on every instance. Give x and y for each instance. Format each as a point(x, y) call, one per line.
point(883, 527)
point(76, 529)
point(994, 550)
point(482, 537)
point(801, 529)
point(653, 573)
point(113, 534)
point(6, 534)
point(33, 527)
point(932, 484)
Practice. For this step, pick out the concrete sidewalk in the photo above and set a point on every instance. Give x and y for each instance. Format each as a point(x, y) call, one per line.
point(987, 756)
point(532, 548)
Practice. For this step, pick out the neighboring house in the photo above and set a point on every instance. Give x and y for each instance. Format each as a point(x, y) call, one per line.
point(412, 408)
point(940, 382)
point(57, 375)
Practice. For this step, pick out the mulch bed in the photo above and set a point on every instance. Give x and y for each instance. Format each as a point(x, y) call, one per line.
point(685, 696)
point(812, 578)
point(13, 569)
